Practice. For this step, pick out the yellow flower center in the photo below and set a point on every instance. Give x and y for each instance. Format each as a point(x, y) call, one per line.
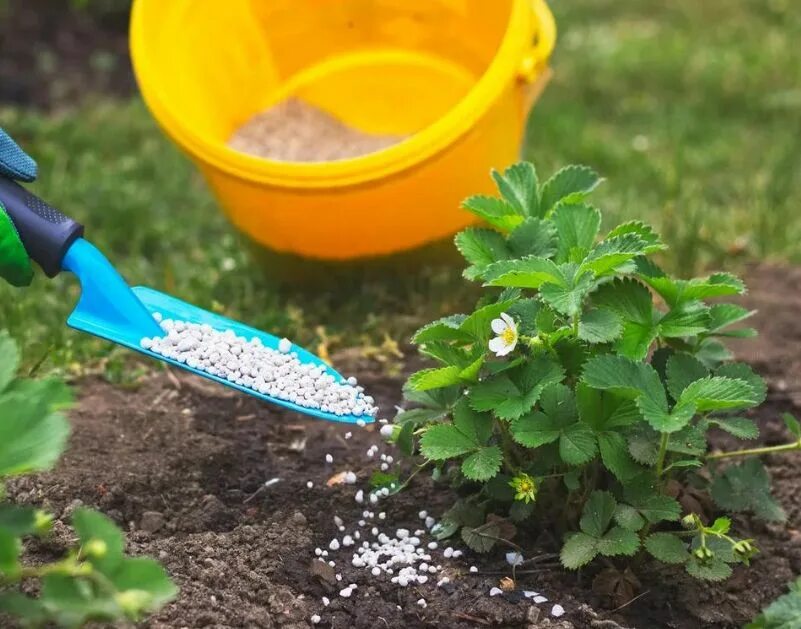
point(526, 486)
point(509, 336)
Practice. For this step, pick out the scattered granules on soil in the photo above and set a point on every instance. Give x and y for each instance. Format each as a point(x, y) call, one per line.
point(293, 131)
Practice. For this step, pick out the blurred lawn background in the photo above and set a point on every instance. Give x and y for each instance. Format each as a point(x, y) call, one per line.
point(691, 110)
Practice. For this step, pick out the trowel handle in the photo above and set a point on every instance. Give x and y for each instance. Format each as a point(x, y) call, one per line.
point(46, 233)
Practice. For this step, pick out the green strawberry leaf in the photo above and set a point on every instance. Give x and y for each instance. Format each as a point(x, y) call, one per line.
point(444, 441)
point(483, 464)
point(533, 237)
point(667, 548)
point(746, 487)
point(629, 518)
point(519, 186)
point(434, 378)
point(600, 326)
point(480, 247)
point(740, 427)
point(579, 549)
point(618, 541)
point(512, 393)
point(445, 329)
point(577, 227)
point(598, 512)
point(528, 272)
point(682, 370)
point(569, 184)
point(716, 393)
point(710, 570)
point(497, 212)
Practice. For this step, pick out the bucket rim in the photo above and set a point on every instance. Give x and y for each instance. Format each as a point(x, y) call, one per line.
point(526, 19)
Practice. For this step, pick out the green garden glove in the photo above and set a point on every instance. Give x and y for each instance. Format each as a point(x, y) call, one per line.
point(15, 265)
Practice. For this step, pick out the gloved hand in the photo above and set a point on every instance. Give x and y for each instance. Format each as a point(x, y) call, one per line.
point(15, 265)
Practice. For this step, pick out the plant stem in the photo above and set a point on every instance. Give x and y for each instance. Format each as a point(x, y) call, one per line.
point(419, 469)
point(660, 459)
point(510, 459)
point(787, 447)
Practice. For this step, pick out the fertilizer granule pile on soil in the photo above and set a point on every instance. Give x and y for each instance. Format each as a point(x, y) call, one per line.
point(293, 131)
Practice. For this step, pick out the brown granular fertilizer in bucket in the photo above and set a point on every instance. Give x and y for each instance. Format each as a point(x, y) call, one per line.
point(293, 131)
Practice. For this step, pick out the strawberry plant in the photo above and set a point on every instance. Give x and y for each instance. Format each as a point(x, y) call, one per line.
point(580, 393)
point(95, 581)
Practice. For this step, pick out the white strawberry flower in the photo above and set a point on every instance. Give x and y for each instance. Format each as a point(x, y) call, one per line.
point(506, 329)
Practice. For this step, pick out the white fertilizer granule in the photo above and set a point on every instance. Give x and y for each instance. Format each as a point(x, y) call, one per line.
point(279, 374)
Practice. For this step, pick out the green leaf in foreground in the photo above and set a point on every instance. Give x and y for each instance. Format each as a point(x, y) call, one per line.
point(9, 355)
point(32, 437)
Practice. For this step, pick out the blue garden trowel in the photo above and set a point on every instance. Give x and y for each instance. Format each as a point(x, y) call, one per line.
point(109, 308)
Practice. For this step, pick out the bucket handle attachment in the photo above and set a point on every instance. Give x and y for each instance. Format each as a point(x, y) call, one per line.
point(537, 56)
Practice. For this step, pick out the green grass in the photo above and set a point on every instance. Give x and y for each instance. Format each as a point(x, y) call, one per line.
point(690, 109)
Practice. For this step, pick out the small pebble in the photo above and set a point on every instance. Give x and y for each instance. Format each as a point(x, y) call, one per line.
point(422, 603)
point(309, 484)
point(329, 459)
point(557, 611)
point(316, 619)
point(473, 569)
point(495, 591)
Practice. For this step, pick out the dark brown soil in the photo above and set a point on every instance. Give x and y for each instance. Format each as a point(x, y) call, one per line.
point(53, 53)
point(177, 463)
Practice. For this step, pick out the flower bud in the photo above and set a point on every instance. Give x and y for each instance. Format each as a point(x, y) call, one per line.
point(95, 548)
point(42, 522)
point(133, 602)
point(688, 521)
point(535, 342)
point(744, 549)
point(703, 553)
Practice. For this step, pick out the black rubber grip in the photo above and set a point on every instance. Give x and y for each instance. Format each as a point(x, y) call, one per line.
point(46, 233)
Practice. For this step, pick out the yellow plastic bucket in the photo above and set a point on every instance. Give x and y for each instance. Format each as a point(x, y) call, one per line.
point(457, 76)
